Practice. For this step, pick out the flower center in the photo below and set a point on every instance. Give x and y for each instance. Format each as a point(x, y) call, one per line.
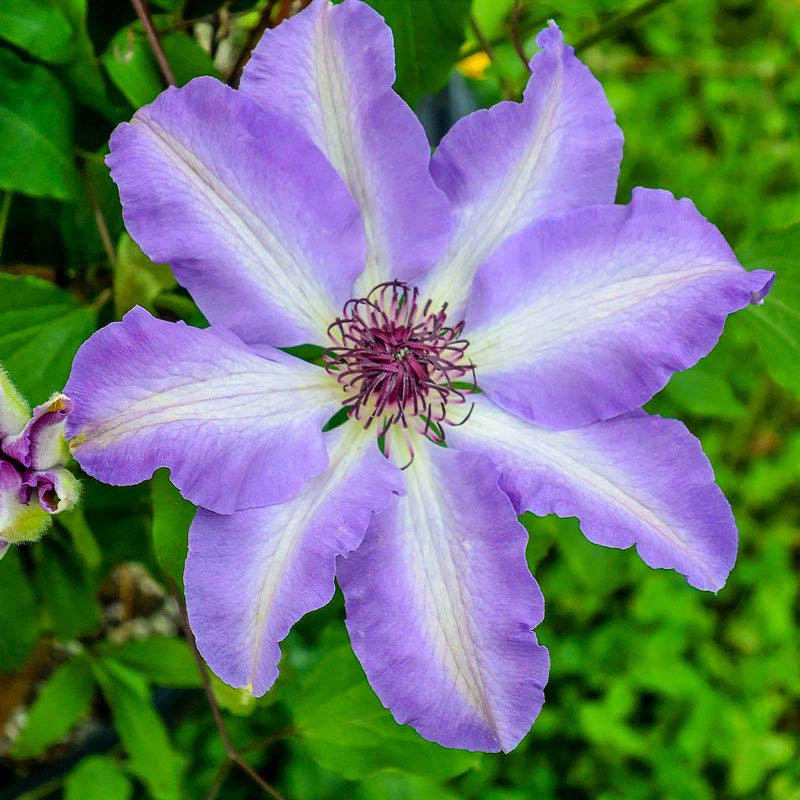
point(398, 362)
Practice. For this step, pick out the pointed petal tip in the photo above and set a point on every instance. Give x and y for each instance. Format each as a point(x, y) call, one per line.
point(551, 36)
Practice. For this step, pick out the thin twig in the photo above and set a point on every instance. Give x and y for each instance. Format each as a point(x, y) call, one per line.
point(489, 50)
point(233, 755)
point(620, 22)
point(253, 38)
point(516, 40)
point(143, 13)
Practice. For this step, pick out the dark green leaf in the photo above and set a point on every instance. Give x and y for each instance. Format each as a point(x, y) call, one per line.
point(427, 37)
point(36, 131)
point(38, 26)
point(62, 701)
point(172, 516)
point(97, 778)
point(142, 731)
point(41, 328)
point(348, 731)
point(82, 537)
point(65, 589)
point(776, 324)
point(19, 627)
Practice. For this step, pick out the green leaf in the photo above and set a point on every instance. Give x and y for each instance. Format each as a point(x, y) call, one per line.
point(65, 589)
point(137, 280)
point(37, 26)
point(161, 659)
point(427, 37)
point(36, 131)
point(19, 627)
point(347, 730)
point(776, 324)
point(97, 778)
point(141, 730)
point(63, 700)
point(41, 328)
point(83, 539)
point(172, 516)
point(396, 785)
point(131, 66)
point(704, 394)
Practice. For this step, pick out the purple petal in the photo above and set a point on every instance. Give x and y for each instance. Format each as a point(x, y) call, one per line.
point(4, 545)
point(587, 317)
point(251, 575)
point(237, 429)
point(255, 222)
point(41, 444)
point(637, 479)
point(440, 606)
point(14, 411)
point(514, 163)
point(330, 69)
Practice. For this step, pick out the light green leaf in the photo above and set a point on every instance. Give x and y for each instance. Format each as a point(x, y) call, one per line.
point(347, 730)
point(97, 778)
point(141, 730)
point(137, 280)
point(19, 627)
point(396, 785)
point(130, 64)
point(82, 537)
point(776, 324)
point(427, 38)
point(41, 328)
point(161, 659)
point(704, 394)
point(172, 516)
point(37, 26)
point(63, 700)
point(36, 131)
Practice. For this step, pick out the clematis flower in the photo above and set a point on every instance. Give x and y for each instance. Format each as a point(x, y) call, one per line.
point(497, 278)
point(34, 484)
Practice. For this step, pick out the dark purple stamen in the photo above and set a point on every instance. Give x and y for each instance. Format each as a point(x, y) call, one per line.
point(397, 361)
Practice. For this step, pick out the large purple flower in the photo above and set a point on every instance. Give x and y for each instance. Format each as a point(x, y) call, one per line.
point(305, 208)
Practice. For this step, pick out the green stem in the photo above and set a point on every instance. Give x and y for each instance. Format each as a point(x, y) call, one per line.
point(4, 211)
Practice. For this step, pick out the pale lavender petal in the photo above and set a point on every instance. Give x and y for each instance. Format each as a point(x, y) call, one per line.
point(4, 545)
point(251, 575)
point(587, 317)
point(41, 443)
point(637, 479)
point(55, 489)
point(331, 69)
point(441, 605)
point(514, 163)
point(14, 411)
point(254, 221)
point(237, 430)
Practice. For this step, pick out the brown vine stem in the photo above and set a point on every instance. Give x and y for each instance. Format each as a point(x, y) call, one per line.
point(143, 12)
point(232, 754)
point(487, 48)
point(516, 39)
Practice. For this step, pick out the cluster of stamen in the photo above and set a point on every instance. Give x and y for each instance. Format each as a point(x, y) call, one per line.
point(398, 362)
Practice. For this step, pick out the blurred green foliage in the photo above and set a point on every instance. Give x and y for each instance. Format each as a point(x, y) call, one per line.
point(657, 690)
